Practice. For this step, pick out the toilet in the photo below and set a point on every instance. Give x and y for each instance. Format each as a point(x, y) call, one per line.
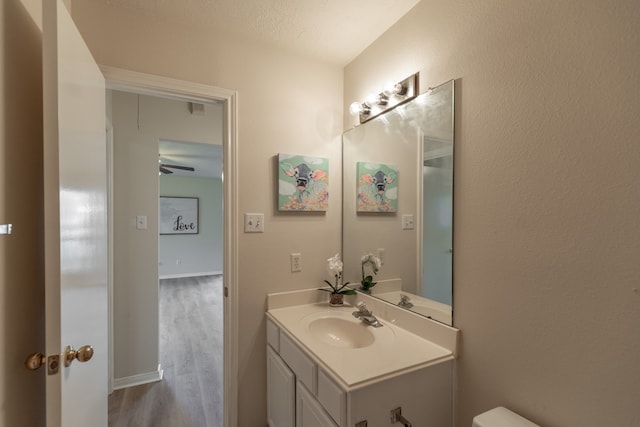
point(501, 417)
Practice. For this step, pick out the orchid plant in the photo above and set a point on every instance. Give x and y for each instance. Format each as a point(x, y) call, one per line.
point(375, 263)
point(335, 266)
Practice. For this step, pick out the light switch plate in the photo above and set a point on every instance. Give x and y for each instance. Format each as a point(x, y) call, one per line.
point(254, 223)
point(141, 222)
point(407, 222)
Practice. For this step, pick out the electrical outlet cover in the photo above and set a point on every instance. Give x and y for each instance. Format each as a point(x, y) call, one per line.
point(296, 263)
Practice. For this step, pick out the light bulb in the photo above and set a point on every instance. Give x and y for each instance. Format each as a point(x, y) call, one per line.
point(383, 98)
point(355, 108)
point(394, 88)
point(371, 99)
point(359, 108)
point(389, 87)
point(400, 89)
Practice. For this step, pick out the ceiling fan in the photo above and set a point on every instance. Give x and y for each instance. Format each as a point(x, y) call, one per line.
point(164, 168)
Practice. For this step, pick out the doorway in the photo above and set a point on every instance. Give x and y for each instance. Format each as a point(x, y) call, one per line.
point(142, 84)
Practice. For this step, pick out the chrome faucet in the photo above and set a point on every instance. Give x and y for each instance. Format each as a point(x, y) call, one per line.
point(366, 315)
point(405, 302)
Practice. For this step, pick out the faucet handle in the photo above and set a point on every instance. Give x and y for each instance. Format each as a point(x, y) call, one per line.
point(405, 301)
point(362, 307)
point(363, 310)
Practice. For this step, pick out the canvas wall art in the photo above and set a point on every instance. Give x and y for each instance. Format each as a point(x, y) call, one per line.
point(178, 215)
point(377, 187)
point(303, 183)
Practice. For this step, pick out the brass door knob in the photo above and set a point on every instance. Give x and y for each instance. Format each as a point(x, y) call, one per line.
point(34, 361)
point(83, 354)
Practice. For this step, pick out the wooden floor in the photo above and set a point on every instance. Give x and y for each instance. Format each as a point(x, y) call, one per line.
point(191, 344)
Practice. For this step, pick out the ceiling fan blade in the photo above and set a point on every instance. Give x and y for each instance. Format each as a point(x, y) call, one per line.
point(165, 170)
point(184, 168)
point(176, 157)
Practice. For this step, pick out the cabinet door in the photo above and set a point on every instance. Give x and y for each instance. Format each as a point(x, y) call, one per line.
point(332, 398)
point(281, 392)
point(309, 413)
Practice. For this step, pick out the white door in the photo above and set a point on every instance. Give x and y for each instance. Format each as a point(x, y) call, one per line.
point(75, 221)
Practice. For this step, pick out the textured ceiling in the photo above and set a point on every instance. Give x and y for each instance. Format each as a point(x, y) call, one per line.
point(332, 30)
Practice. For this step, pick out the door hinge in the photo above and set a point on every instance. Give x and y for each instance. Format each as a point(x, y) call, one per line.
point(226, 292)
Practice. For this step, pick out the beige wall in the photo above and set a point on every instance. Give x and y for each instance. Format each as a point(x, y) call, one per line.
point(286, 104)
point(21, 262)
point(547, 197)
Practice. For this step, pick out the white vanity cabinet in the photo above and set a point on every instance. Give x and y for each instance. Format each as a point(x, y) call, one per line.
point(292, 384)
point(303, 392)
point(281, 393)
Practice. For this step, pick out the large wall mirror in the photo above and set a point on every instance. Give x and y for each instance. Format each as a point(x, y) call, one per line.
point(398, 203)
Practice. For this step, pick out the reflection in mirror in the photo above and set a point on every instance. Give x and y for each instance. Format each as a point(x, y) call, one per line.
point(410, 226)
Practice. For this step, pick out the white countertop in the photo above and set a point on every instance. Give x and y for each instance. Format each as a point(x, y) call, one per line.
point(395, 350)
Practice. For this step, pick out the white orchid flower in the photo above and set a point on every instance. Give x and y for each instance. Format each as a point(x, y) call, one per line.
point(375, 263)
point(372, 260)
point(335, 264)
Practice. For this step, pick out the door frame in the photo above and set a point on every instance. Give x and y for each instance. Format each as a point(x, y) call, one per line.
point(149, 84)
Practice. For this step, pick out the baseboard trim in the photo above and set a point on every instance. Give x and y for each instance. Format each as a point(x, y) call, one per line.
point(148, 377)
point(180, 276)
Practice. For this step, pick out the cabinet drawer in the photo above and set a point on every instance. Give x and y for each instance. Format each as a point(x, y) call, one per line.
point(300, 364)
point(273, 335)
point(332, 398)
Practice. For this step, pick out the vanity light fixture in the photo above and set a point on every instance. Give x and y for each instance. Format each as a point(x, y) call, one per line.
point(394, 94)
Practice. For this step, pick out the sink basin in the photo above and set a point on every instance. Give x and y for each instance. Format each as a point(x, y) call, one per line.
point(339, 332)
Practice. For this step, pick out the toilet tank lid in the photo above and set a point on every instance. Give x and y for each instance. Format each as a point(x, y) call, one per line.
point(501, 417)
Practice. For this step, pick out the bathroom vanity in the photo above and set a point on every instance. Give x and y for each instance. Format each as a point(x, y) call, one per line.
point(327, 368)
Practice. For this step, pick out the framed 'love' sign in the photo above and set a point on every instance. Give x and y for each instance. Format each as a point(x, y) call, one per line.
point(178, 215)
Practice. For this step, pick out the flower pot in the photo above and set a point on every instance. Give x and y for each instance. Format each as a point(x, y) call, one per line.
point(336, 299)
